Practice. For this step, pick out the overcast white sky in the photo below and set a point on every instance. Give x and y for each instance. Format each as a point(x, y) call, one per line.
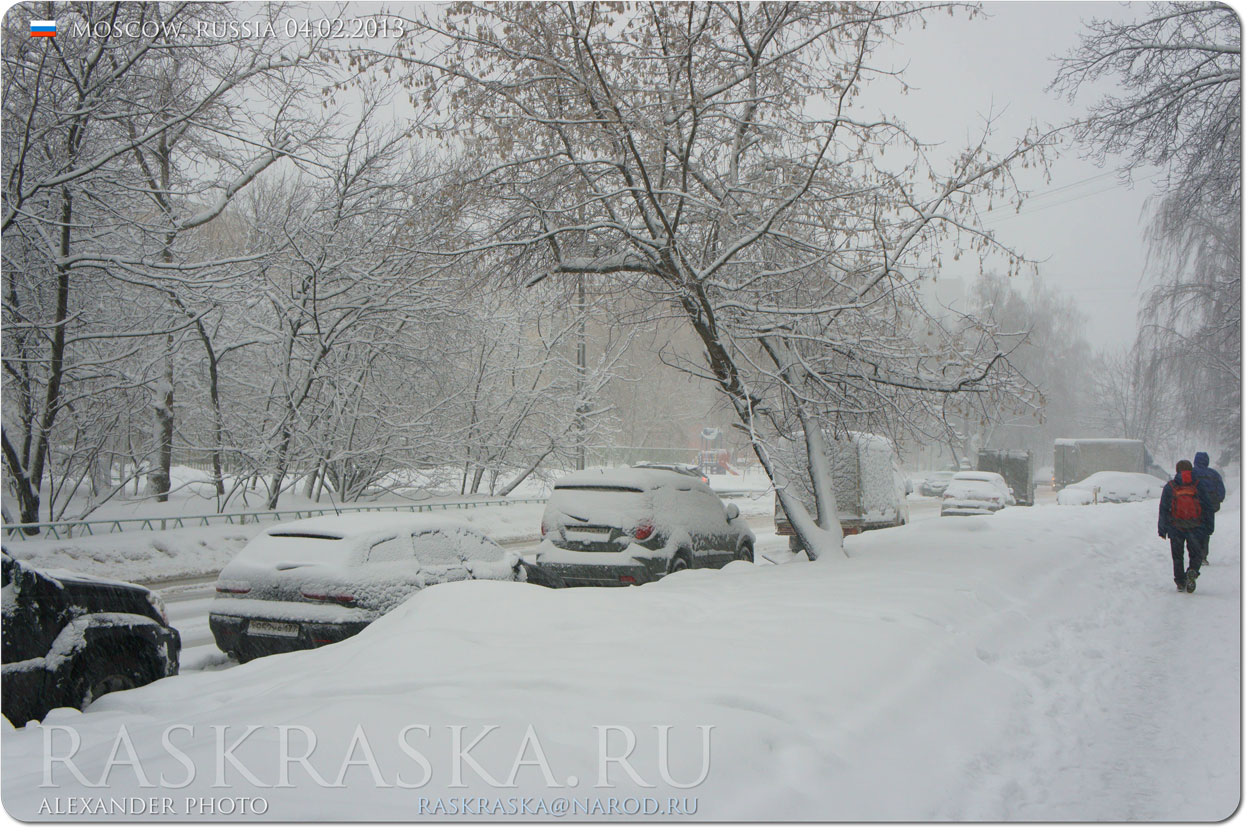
point(1086, 223)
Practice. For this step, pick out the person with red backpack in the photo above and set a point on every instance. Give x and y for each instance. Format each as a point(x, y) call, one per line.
point(1184, 509)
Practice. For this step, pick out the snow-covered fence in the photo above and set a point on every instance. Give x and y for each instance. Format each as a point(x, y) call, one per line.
point(68, 528)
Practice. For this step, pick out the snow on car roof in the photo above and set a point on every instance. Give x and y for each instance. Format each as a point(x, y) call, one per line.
point(642, 479)
point(979, 476)
point(356, 524)
point(1100, 441)
point(70, 575)
point(1124, 478)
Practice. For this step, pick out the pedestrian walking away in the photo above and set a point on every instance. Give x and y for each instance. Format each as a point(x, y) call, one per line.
point(1183, 512)
point(1210, 479)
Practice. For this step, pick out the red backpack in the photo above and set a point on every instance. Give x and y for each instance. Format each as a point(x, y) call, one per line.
point(1186, 510)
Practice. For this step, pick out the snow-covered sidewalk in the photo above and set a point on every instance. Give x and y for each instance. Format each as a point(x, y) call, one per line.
point(1035, 664)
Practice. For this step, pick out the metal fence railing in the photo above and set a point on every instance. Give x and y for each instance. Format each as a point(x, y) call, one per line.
point(66, 529)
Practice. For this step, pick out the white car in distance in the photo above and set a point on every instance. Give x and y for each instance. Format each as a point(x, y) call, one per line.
point(976, 492)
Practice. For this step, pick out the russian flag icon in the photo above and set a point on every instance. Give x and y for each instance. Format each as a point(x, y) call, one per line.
point(43, 28)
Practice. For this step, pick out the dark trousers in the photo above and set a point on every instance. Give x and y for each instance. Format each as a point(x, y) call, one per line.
point(1180, 539)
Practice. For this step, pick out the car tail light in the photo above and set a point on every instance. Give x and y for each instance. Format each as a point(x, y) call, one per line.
point(543, 529)
point(328, 596)
point(238, 589)
point(644, 530)
point(628, 579)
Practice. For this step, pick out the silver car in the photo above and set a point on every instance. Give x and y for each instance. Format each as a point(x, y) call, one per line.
point(976, 492)
point(312, 582)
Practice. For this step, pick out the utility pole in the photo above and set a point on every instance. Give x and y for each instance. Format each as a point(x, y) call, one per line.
point(581, 372)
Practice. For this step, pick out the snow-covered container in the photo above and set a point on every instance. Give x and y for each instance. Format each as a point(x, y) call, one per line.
point(1076, 459)
point(1015, 466)
point(867, 481)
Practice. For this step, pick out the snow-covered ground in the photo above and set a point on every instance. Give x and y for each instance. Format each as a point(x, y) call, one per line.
point(1035, 664)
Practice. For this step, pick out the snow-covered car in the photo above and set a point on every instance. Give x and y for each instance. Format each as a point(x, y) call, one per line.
point(976, 492)
point(934, 483)
point(70, 639)
point(1112, 487)
point(312, 582)
point(627, 526)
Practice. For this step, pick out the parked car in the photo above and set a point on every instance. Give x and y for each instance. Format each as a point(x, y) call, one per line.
point(69, 639)
point(976, 492)
point(934, 483)
point(313, 582)
point(1112, 487)
point(627, 526)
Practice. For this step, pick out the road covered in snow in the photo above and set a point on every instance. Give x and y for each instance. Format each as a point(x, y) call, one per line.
point(1033, 665)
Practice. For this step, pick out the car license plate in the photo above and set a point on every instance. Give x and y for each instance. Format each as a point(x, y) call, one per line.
point(587, 534)
point(273, 628)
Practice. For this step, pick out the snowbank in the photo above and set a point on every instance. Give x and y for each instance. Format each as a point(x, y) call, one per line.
point(1035, 664)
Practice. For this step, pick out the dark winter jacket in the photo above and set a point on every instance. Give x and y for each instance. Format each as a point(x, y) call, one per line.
point(1209, 478)
point(1166, 527)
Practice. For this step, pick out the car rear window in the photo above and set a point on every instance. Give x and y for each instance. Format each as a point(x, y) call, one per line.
point(597, 506)
point(286, 547)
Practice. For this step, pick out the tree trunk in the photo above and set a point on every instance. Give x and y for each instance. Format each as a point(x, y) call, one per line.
point(27, 496)
point(279, 473)
point(29, 503)
point(159, 480)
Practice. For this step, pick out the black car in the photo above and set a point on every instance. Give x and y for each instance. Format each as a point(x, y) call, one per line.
point(69, 639)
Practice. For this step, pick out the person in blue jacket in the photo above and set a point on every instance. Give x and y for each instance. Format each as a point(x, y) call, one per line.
point(1210, 479)
point(1184, 511)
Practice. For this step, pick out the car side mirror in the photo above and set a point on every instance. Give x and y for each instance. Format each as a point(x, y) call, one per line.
point(731, 511)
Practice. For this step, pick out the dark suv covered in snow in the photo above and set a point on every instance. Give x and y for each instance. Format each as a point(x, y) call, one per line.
point(69, 639)
point(629, 526)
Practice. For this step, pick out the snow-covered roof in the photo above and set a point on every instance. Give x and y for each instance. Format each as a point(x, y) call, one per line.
point(69, 575)
point(977, 476)
point(642, 479)
point(357, 524)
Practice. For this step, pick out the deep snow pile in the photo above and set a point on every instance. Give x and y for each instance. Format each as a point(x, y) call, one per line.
point(1035, 664)
point(1112, 487)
